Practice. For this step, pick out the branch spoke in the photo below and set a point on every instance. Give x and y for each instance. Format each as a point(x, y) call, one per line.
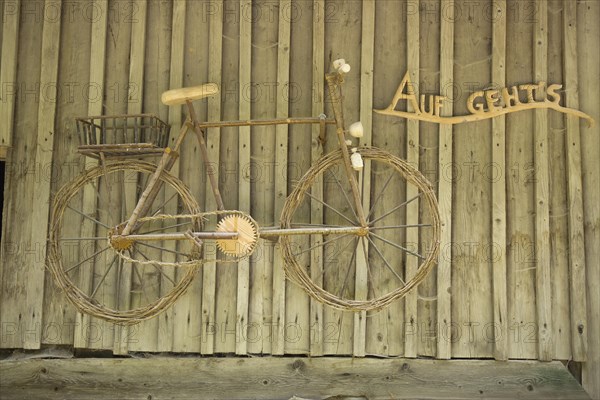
point(157, 268)
point(141, 283)
point(321, 244)
point(163, 204)
point(105, 275)
point(162, 248)
point(88, 217)
point(395, 208)
point(397, 246)
point(369, 275)
point(399, 226)
point(380, 194)
point(332, 208)
point(349, 267)
point(344, 193)
point(89, 258)
point(385, 261)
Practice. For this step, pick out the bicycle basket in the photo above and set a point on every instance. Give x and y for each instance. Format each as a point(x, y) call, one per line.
point(122, 135)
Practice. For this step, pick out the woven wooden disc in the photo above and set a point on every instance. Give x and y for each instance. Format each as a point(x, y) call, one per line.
point(247, 235)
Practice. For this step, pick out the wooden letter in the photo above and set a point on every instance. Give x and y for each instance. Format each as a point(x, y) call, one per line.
point(491, 97)
point(530, 87)
point(539, 90)
point(423, 108)
point(552, 93)
point(438, 104)
point(514, 97)
point(410, 94)
point(478, 108)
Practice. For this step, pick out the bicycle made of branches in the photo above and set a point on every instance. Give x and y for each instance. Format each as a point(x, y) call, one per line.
point(127, 237)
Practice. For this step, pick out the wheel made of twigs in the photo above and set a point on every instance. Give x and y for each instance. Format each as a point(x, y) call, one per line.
point(86, 263)
point(367, 268)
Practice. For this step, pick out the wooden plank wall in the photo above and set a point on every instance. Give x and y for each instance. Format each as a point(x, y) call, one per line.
point(518, 194)
point(589, 70)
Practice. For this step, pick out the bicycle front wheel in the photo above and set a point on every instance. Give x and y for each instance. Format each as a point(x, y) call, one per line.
point(360, 269)
point(148, 276)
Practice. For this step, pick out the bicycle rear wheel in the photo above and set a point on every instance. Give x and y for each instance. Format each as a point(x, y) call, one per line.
point(364, 269)
point(86, 266)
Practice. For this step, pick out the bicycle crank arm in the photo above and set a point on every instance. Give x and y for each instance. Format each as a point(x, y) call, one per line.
point(350, 230)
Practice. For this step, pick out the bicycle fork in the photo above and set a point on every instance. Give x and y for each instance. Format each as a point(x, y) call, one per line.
point(333, 82)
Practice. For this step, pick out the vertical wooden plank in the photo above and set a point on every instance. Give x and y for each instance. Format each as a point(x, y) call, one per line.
point(366, 117)
point(245, 76)
point(22, 177)
point(213, 145)
point(43, 156)
point(8, 67)
point(412, 156)
point(429, 40)
point(156, 333)
point(520, 193)
point(257, 288)
point(316, 209)
point(12, 11)
point(189, 333)
point(170, 332)
point(137, 58)
point(4, 149)
point(385, 329)
point(115, 101)
point(226, 284)
point(588, 36)
point(471, 201)
point(98, 52)
point(542, 197)
point(281, 150)
point(444, 280)
point(300, 147)
point(340, 42)
point(264, 63)
point(559, 246)
point(499, 187)
point(58, 314)
point(157, 80)
point(577, 281)
point(148, 337)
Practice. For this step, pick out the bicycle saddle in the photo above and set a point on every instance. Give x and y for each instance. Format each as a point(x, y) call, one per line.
point(182, 95)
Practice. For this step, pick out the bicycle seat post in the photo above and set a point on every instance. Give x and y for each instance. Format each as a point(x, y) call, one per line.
point(204, 153)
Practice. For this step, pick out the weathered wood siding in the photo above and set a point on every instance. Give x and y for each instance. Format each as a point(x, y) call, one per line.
point(519, 265)
point(286, 377)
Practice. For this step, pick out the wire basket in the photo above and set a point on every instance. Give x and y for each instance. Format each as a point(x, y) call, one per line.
point(122, 135)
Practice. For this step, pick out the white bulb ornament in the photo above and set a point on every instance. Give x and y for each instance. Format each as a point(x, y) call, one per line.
point(341, 66)
point(357, 130)
point(338, 63)
point(344, 69)
point(356, 159)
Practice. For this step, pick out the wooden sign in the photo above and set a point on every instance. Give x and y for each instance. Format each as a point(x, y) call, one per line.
point(482, 104)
